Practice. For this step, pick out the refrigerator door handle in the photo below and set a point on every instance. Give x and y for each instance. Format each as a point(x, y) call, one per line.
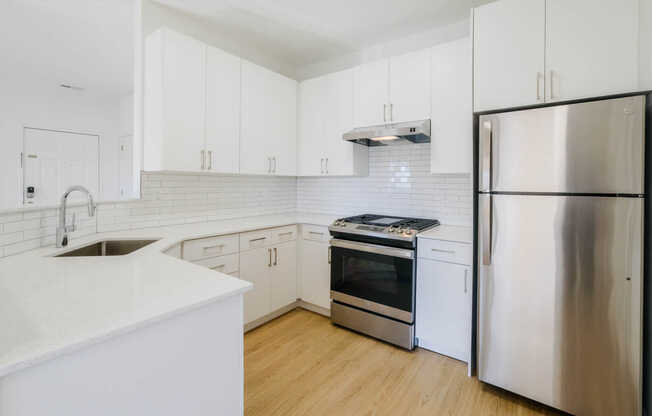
point(486, 218)
point(486, 138)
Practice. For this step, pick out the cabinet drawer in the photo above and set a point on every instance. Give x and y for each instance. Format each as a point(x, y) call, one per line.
point(315, 233)
point(282, 234)
point(449, 251)
point(255, 239)
point(210, 247)
point(223, 264)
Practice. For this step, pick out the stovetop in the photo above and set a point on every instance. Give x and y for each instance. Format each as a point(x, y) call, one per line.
point(382, 226)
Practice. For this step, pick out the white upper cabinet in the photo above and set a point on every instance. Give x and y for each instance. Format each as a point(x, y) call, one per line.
point(174, 102)
point(409, 87)
point(509, 38)
point(268, 127)
point(452, 116)
point(371, 94)
point(325, 114)
point(534, 51)
point(591, 48)
point(222, 111)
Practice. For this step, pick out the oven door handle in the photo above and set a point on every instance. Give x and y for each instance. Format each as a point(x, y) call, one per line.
point(373, 248)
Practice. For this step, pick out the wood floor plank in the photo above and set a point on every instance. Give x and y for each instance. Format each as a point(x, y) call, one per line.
point(301, 364)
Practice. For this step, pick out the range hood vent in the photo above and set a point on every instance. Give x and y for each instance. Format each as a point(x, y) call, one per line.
point(389, 134)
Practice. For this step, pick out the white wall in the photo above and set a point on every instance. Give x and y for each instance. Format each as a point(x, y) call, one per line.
point(28, 102)
point(415, 42)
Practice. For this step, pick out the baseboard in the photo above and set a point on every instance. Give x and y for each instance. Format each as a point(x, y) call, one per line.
point(264, 319)
point(313, 308)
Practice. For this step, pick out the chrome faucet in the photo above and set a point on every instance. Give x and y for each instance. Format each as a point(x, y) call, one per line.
point(63, 229)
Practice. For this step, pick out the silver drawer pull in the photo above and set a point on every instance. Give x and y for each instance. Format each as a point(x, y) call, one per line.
point(215, 246)
point(258, 239)
point(221, 266)
point(315, 233)
point(443, 251)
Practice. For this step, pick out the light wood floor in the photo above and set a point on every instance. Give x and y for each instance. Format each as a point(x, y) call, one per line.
point(300, 364)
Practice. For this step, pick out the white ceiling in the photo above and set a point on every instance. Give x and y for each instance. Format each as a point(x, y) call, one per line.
point(307, 31)
point(88, 43)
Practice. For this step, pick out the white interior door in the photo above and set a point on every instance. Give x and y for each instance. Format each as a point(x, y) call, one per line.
point(56, 160)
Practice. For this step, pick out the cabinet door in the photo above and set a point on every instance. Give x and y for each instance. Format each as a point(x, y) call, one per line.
point(222, 111)
point(255, 268)
point(183, 98)
point(371, 93)
point(409, 86)
point(343, 158)
point(310, 142)
point(509, 39)
point(284, 275)
point(283, 106)
point(315, 273)
point(258, 125)
point(452, 116)
point(591, 48)
point(443, 308)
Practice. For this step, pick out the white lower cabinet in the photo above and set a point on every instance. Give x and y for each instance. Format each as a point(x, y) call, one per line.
point(284, 275)
point(268, 260)
point(254, 268)
point(443, 308)
point(315, 272)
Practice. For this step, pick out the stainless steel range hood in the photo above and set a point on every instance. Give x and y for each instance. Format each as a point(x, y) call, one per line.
point(386, 134)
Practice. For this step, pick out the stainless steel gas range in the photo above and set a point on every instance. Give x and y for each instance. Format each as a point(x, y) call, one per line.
point(373, 275)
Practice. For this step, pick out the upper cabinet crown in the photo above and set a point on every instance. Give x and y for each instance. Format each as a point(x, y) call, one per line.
point(392, 90)
point(529, 52)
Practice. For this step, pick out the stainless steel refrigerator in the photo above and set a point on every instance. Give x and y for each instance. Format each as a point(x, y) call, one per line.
point(560, 254)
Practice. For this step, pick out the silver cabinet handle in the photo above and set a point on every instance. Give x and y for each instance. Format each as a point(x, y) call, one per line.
point(552, 88)
point(322, 165)
point(269, 250)
point(538, 86)
point(257, 239)
point(443, 251)
point(327, 166)
point(269, 165)
point(486, 218)
point(221, 266)
point(274, 159)
point(203, 159)
point(486, 138)
point(275, 256)
point(466, 271)
point(329, 254)
point(206, 248)
point(391, 112)
point(385, 112)
point(315, 233)
point(210, 160)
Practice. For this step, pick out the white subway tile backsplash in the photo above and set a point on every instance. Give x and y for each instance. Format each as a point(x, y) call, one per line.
point(399, 183)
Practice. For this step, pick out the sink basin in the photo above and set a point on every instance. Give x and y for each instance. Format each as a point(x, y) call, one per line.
point(107, 248)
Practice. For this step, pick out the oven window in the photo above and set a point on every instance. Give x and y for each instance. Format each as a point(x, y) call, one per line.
point(374, 277)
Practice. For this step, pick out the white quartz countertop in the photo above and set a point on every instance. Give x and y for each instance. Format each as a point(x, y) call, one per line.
point(51, 306)
point(458, 234)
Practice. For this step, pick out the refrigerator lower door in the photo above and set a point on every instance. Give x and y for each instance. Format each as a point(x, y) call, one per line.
point(560, 300)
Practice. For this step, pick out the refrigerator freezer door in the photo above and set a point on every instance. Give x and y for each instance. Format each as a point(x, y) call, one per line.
point(560, 301)
point(593, 147)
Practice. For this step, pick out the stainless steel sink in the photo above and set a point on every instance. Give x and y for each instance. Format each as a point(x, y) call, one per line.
point(107, 248)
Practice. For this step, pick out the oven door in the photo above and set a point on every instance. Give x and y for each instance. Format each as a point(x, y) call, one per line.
point(375, 278)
